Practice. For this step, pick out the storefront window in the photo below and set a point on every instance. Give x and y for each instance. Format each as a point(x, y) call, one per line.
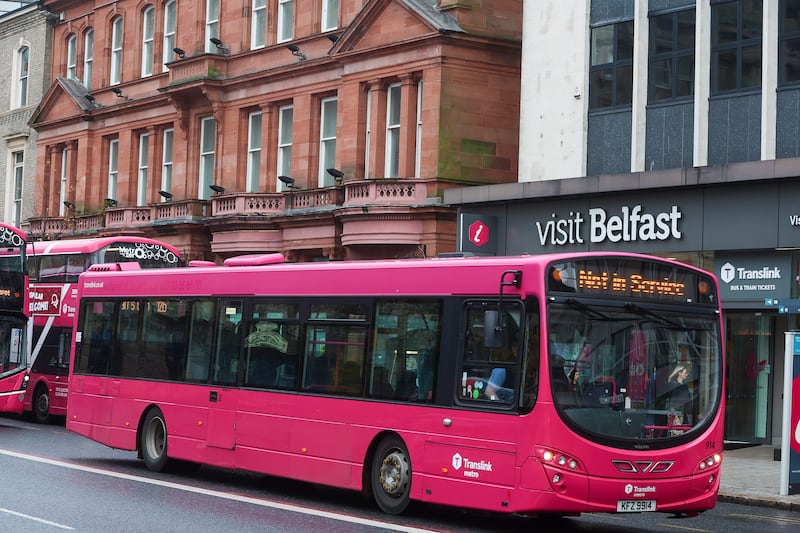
point(749, 365)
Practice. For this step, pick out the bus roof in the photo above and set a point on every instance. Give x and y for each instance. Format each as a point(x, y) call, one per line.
point(84, 246)
point(465, 275)
point(11, 235)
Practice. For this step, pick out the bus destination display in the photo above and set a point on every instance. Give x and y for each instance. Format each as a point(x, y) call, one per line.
point(627, 279)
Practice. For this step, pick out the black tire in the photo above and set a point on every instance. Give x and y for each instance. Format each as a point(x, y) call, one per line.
point(41, 404)
point(390, 476)
point(153, 440)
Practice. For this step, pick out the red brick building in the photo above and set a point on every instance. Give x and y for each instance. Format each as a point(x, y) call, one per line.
point(175, 120)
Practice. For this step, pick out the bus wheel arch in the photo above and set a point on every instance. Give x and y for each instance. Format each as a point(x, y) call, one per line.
point(387, 473)
point(41, 403)
point(152, 441)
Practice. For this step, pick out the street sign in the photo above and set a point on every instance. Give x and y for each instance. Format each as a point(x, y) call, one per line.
point(478, 234)
point(786, 306)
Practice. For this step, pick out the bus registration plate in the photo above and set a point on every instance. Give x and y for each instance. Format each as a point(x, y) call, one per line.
point(635, 506)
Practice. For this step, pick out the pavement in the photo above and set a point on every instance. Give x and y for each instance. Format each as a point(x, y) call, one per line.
point(751, 476)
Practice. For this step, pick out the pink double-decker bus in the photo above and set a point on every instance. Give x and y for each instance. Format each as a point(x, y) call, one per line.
point(54, 267)
point(13, 318)
point(534, 384)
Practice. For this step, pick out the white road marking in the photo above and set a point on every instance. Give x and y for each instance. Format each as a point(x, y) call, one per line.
point(35, 519)
point(218, 494)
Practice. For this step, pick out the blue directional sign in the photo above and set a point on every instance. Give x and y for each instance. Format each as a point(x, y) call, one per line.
point(789, 306)
point(770, 301)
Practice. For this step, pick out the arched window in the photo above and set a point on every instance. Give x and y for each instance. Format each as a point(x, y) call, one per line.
point(169, 33)
point(72, 56)
point(22, 69)
point(148, 23)
point(88, 57)
point(116, 51)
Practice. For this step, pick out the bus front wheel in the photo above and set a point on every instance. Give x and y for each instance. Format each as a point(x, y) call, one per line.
point(41, 404)
point(391, 476)
point(153, 440)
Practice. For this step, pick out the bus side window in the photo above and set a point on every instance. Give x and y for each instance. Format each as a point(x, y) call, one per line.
point(95, 349)
point(403, 348)
point(199, 353)
point(490, 373)
point(227, 344)
point(334, 358)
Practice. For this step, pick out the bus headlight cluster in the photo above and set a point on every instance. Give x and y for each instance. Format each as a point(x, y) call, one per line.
point(561, 460)
point(711, 462)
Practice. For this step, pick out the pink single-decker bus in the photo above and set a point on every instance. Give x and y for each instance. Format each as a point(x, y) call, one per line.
point(551, 384)
point(54, 268)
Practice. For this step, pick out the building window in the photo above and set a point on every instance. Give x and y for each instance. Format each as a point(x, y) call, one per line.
point(113, 162)
point(368, 134)
point(611, 70)
point(72, 57)
point(212, 24)
point(736, 29)
point(253, 151)
point(208, 128)
point(392, 131)
point(418, 136)
point(671, 70)
point(88, 57)
point(148, 23)
point(23, 70)
point(789, 42)
point(169, 34)
point(62, 190)
point(166, 161)
point(258, 27)
point(18, 172)
point(116, 51)
point(285, 118)
point(330, 14)
point(327, 141)
point(285, 19)
point(141, 182)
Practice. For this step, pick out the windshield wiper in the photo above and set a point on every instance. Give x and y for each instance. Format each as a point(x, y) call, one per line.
point(639, 310)
point(583, 307)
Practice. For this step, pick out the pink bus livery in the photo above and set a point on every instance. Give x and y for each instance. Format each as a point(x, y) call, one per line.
point(54, 270)
point(13, 318)
point(530, 385)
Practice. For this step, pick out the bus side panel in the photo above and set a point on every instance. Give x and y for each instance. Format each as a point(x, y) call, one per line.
point(90, 415)
point(12, 402)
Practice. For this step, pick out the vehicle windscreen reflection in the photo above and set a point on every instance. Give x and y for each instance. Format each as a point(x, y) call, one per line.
point(633, 373)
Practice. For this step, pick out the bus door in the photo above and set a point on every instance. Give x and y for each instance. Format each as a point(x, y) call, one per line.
point(222, 397)
point(479, 443)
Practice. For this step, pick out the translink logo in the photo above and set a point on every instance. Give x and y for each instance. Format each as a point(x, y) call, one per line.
point(727, 273)
point(457, 461)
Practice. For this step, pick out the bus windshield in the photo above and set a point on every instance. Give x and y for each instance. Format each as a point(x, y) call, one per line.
point(627, 372)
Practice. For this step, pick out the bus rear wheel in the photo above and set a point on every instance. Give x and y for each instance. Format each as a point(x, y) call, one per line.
point(41, 405)
point(390, 476)
point(153, 440)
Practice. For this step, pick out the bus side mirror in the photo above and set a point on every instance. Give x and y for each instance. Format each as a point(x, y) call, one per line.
point(492, 330)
